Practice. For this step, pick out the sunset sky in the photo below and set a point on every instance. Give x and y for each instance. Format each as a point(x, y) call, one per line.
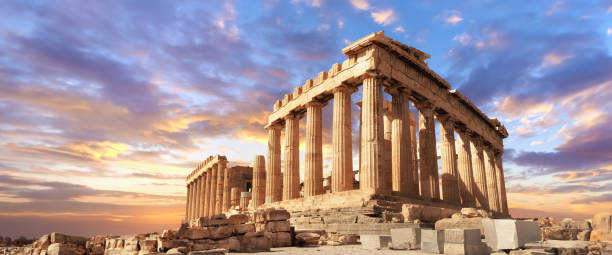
point(106, 106)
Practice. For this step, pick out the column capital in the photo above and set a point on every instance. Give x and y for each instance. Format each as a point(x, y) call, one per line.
point(314, 103)
point(423, 105)
point(396, 89)
point(446, 118)
point(291, 115)
point(344, 87)
point(276, 126)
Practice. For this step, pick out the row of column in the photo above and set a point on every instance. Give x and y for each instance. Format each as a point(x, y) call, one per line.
point(210, 193)
point(471, 175)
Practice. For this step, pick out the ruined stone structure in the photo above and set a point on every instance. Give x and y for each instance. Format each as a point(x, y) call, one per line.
point(210, 185)
point(390, 167)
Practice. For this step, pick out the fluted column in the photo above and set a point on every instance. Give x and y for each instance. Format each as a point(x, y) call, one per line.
point(480, 178)
point(188, 203)
point(235, 198)
point(228, 181)
point(501, 183)
point(414, 125)
point(205, 191)
point(313, 175)
point(450, 177)
point(385, 169)
point(209, 190)
point(291, 176)
point(219, 194)
point(259, 181)
point(401, 141)
point(200, 196)
point(492, 192)
point(342, 171)
point(273, 169)
point(372, 136)
point(213, 190)
point(430, 188)
point(197, 197)
point(464, 165)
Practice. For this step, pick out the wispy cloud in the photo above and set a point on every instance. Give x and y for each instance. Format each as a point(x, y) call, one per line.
point(360, 4)
point(384, 17)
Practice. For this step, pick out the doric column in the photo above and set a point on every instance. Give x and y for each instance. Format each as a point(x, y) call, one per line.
point(450, 178)
point(201, 196)
point(313, 175)
point(385, 169)
point(342, 171)
point(205, 191)
point(492, 192)
point(228, 181)
point(273, 169)
point(402, 170)
point(222, 166)
point(188, 203)
point(464, 165)
point(259, 181)
point(197, 197)
point(213, 190)
point(480, 178)
point(501, 183)
point(235, 198)
point(209, 191)
point(291, 176)
point(414, 125)
point(430, 188)
point(370, 179)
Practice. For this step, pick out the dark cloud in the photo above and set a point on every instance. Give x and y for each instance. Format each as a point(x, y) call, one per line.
point(589, 148)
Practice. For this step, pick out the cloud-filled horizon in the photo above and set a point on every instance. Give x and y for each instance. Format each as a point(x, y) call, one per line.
point(106, 106)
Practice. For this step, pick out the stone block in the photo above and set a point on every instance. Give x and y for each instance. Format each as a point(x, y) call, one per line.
point(465, 249)
point(164, 244)
point(198, 233)
point(221, 232)
point(62, 238)
point(148, 245)
point(279, 239)
point(244, 228)
point(238, 219)
point(277, 215)
point(406, 238)
point(277, 226)
point(602, 227)
point(61, 249)
point(459, 223)
point(462, 236)
point(412, 212)
point(255, 241)
point(432, 240)
point(230, 244)
point(501, 234)
point(375, 241)
point(209, 252)
point(307, 238)
point(531, 252)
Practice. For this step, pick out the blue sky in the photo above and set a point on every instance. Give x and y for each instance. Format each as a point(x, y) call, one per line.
point(105, 106)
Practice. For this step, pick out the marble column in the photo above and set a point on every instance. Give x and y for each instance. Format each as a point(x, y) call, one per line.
point(372, 136)
point(197, 197)
point(450, 177)
point(414, 125)
point(259, 181)
point(430, 188)
point(273, 169)
point(386, 175)
point(188, 203)
point(291, 176)
point(222, 166)
point(228, 181)
point(313, 175)
point(402, 171)
point(213, 189)
point(342, 171)
point(492, 192)
point(205, 191)
point(480, 178)
point(209, 190)
point(201, 195)
point(501, 183)
point(464, 166)
point(235, 197)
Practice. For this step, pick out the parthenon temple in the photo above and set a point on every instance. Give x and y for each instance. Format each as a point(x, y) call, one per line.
point(400, 160)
